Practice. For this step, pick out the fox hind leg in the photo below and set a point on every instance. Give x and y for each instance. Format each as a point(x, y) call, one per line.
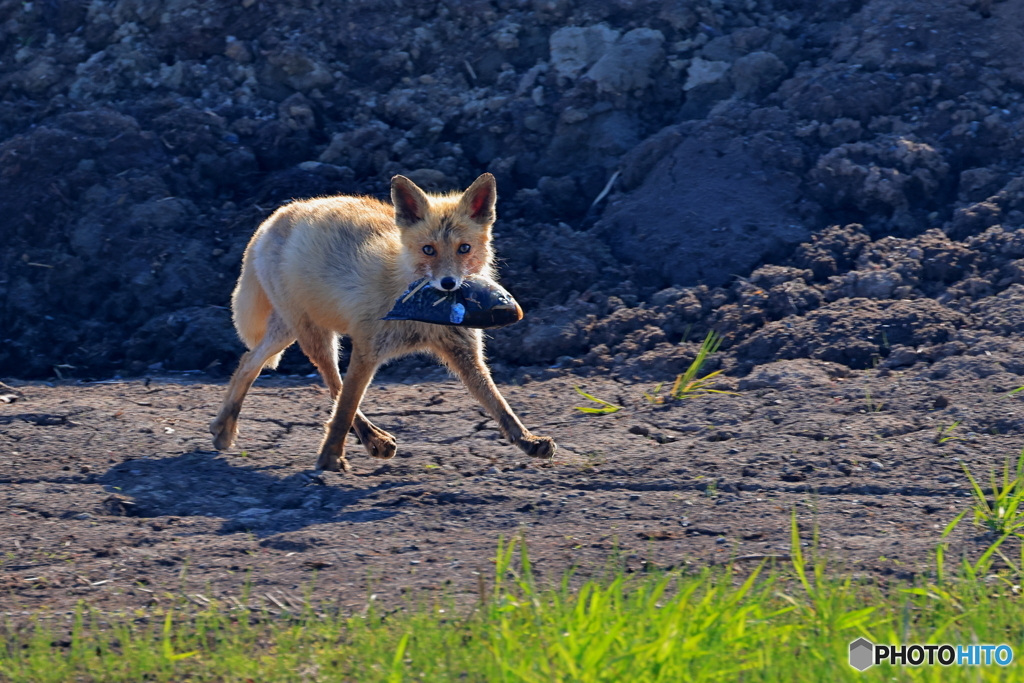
point(277, 337)
point(462, 351)
point(321, 347)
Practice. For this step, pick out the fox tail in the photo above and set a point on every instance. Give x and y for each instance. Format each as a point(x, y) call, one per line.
point(251, 309)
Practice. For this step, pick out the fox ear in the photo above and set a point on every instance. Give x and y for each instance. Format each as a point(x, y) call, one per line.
point(410, 202)
point(478, 201)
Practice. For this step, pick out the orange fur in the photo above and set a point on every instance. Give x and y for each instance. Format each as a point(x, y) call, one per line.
point(335, 265)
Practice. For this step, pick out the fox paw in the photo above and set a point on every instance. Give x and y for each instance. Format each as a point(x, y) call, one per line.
point(224, 433)
point(330, 463)
point(537, 446)
point(381, 445)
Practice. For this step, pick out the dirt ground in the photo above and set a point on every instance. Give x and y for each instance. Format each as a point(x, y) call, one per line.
point(111, 493)
point(835, 187)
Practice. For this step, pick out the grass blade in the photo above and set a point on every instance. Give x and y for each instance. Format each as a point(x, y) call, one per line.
point(605, 409)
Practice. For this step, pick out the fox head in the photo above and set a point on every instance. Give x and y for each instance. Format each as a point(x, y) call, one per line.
point(446, 238)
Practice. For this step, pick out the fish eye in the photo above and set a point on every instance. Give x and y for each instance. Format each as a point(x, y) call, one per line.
point(464, 248)
point(429, 250)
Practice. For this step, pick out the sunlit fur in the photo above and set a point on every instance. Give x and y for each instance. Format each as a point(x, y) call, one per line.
point(322, 267)
point(446, 228)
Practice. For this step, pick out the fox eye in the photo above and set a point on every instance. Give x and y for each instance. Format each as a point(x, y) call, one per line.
point(429, 250)
point(464, 248)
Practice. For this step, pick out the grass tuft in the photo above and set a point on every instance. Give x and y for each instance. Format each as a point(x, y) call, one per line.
point(688, 384)
point(1003, 514)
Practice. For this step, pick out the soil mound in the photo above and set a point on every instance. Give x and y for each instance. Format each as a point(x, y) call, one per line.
point(828, 180)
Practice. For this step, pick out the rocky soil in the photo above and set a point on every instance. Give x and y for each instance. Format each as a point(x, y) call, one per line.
point(770, 164)
point(111, 494)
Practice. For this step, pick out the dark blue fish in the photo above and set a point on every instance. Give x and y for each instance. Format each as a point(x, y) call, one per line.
point(478, 303)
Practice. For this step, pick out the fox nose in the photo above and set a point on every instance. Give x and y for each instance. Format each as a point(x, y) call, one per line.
point(448, 283)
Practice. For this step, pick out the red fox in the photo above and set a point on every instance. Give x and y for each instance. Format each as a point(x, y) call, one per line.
point(323, 267)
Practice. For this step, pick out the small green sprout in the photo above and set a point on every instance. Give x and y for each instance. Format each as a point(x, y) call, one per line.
point(944, 434)
point(873, 407)
point(605, 408)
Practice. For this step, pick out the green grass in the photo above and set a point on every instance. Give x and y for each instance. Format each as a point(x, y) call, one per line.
point(1003, 513)
point(788, 623)
point(604, 408)
point(944, 433)
point(688, 384)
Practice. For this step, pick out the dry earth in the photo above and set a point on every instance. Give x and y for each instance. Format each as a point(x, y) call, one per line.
point(846, 194)
point(110, 492)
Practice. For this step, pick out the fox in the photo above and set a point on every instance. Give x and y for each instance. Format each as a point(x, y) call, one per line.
point(319, 268)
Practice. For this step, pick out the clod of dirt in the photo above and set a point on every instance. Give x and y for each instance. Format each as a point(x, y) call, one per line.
point(792, 374)
point(8, 394)
point(317, 564)
point(851, 333)
point(683, 226)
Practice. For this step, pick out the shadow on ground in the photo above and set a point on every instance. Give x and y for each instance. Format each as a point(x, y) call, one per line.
point(248, 498)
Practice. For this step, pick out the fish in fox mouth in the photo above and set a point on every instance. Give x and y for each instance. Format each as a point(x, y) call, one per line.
point(479, 303)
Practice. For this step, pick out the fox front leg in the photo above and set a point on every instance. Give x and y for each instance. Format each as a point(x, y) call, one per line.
point(332, 451)
point(463, 353)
